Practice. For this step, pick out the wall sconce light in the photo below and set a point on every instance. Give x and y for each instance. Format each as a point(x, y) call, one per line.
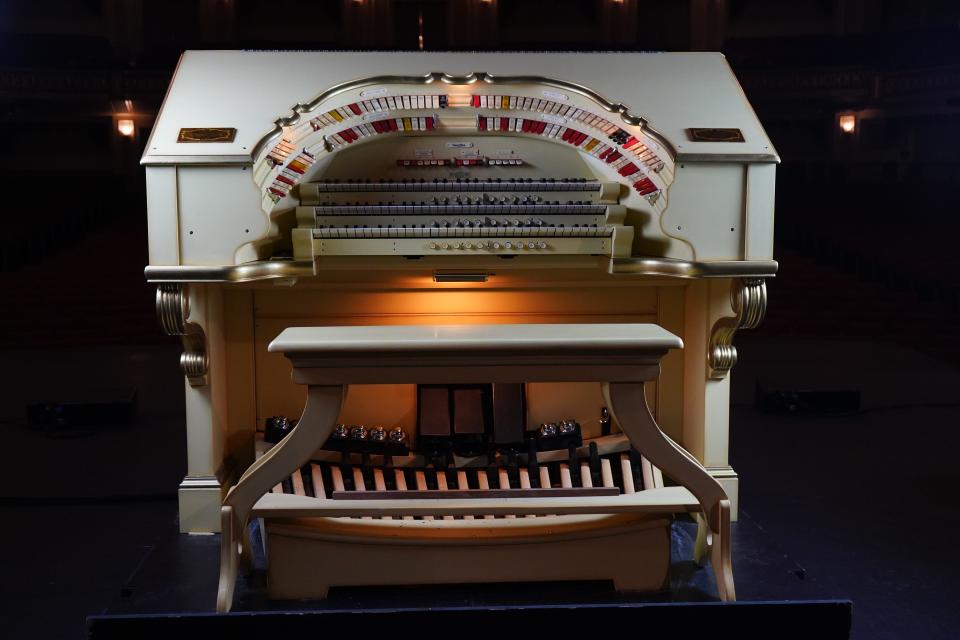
point(126, 127)
point(848, 123)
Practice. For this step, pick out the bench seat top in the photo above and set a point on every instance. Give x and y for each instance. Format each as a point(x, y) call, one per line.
point(438, 339)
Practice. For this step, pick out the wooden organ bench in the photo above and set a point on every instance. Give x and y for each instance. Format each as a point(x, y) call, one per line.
point(319, 541)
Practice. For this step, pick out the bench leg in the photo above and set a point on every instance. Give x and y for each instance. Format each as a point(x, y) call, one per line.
point(291, 453)
point(229, 558)
point(628, 404)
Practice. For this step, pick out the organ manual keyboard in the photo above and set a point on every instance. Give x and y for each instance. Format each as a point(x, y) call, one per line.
point(575, 196)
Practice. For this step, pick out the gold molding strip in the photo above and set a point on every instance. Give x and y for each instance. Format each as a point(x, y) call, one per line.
point(749, 301)
point(247, 272)
point(292, 269)
point(671, 268)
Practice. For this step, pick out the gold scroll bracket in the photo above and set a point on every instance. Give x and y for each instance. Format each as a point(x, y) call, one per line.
point(748, 297)
point(173, 309)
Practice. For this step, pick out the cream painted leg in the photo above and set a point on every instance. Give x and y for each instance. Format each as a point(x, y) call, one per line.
point(720, 555)
point(702, 545)
point(628, 404)
point(313, 429)
point(229, 555)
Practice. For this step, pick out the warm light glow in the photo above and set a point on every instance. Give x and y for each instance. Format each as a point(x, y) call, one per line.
point(128, 105)
point(848, 123)
point(420, 28)
point(126, 128)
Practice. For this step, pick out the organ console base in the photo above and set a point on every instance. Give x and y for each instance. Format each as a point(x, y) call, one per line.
point(309, 555)
point(624, 529)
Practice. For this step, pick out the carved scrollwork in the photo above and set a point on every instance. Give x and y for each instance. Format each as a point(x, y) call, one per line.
point(173, 308)
point(173, 311)
point(749, 302)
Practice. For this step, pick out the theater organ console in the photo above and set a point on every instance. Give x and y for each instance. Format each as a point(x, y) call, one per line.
point(552, 193)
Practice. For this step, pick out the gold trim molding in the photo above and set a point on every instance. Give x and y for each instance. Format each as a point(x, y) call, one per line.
point(247, 272)
point(749, 302)
point(290, 270)
point(173, 310)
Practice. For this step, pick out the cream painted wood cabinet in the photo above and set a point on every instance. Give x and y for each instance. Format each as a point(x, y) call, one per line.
point(336, 189)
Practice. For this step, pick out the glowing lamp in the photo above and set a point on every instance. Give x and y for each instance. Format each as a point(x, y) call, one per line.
point(848, 123)
point(125, 128)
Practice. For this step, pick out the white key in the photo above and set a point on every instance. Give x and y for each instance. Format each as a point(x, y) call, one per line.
point(359, 484)
point(647, 472)
point(463, 483)
point(337, 476)
point(606, 473)
point(484, 483)
point(545, 478)
point(401, 481)
point(380, 484)
point(626, 470)
point(504, 479)
point(316, 476)
point(297, 479)
point(277, 488)
point(378, 481)
point(586, 479)
point(435, 102)
point(392, 102)
point(405, 100)
point(422, 486)
point(442, 486)
point(565, 480)
point(525, 484)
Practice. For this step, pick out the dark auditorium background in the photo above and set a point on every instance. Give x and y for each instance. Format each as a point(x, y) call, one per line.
point(859, 505)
